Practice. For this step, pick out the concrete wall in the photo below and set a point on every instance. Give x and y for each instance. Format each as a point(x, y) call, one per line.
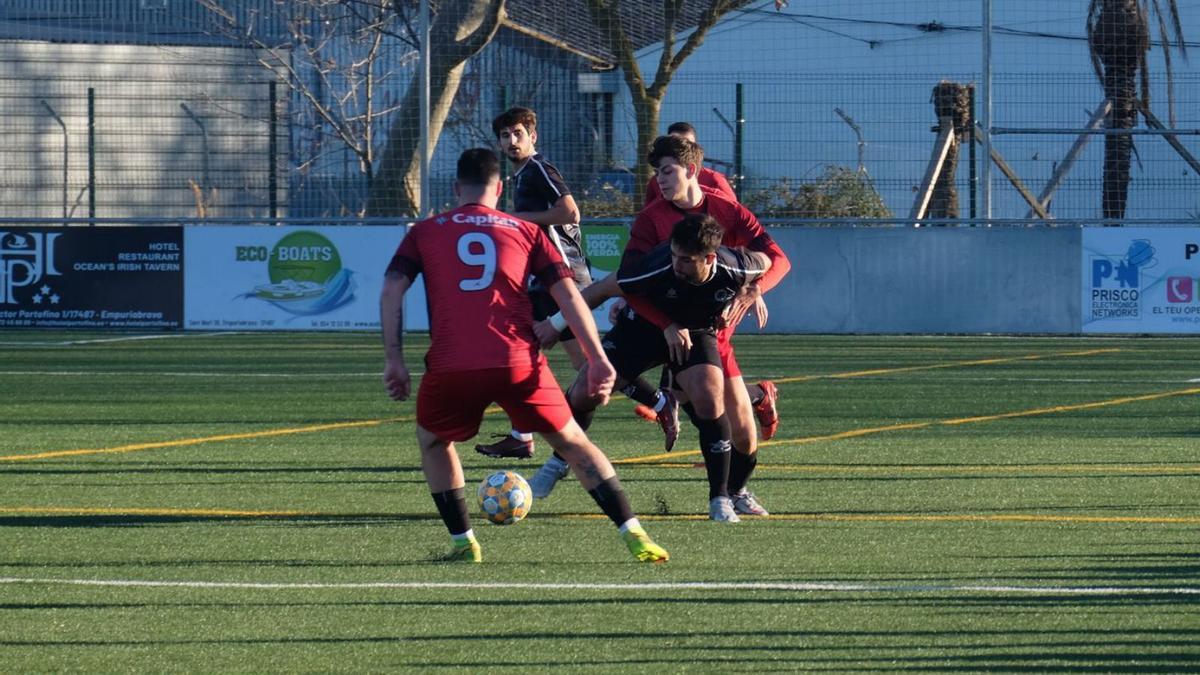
point(927, 280)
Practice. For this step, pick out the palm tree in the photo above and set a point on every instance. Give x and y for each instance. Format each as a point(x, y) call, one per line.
point(1118, 34)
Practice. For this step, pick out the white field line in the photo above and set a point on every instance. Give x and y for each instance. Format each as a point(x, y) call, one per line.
point(123, 338)
point(801, 586)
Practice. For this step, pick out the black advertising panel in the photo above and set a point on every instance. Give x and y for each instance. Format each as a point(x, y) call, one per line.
point(91, 277)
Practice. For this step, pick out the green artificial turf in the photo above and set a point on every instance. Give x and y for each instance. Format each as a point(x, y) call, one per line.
point(254, 503)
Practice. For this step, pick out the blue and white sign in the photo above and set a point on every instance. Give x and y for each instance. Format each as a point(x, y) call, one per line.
point(287, 278)
point(1141, 280)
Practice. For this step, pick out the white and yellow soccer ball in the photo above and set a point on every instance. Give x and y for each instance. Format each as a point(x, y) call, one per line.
point(505, 497)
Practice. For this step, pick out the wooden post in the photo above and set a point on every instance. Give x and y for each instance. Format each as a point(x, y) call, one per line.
point(940, 149)
point(1072, 155)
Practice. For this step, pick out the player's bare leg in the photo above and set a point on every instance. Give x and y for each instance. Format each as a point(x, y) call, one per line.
point(597, 475)
point(444, 475)
point(557, 466)
point(745, 446)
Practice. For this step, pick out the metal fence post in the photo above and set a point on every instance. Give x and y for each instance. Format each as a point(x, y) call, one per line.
point(91, 180)
point(273, 152)
point(739, 138)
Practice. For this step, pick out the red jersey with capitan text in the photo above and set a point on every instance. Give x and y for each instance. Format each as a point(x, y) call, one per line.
point(707, 178)
point(477, 262)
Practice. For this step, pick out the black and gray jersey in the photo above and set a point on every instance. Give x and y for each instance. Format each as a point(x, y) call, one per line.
point(537, 187)
point(693, 306)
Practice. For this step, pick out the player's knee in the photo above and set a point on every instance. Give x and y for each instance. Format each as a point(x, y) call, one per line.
point(707, 407)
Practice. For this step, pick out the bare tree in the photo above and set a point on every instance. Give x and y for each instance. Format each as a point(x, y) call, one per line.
point(461, 30)
point(1119, 39)
point(647, 99)
point(345, 60)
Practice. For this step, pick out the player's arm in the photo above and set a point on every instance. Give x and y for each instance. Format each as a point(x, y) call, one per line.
point(758, 266)
point(574, 310)
point(637, 284)
point(564, 212)
point(631, 266)
point(549, 329)
point(391, 317)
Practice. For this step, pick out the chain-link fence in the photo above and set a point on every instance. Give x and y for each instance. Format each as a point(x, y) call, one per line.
point(817, 109)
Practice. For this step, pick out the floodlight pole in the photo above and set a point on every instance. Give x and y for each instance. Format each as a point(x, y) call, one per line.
point(66, 152)
point(986, 112)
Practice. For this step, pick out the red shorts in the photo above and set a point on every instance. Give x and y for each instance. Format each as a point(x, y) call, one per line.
point(451, 405)
point(729, 362)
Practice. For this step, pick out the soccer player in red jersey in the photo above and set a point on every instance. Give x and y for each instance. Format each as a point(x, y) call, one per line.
point(477, 262)
point(763, 395)
point(708, 178)
point(677, 161)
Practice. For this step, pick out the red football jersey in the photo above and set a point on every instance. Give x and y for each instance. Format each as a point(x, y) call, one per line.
point(477, 262)
point(653, 225)
point(707, 178)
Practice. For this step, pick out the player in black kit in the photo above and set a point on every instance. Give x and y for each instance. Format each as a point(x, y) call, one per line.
point(693, 280)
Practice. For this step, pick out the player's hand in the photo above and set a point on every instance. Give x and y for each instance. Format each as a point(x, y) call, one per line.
point(397, 380)
point(679, 342)
point(601, 376)
point(742, 304)
point(546, 333)
point(615, 309)
point(760, 312)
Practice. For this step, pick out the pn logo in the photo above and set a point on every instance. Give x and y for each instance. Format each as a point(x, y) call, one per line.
point(1127, 272)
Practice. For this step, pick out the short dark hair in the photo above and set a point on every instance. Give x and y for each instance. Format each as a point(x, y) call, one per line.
point(477, 166)
point(678, 148)
point(697, 233)
point(681, 128)
point(513, 117)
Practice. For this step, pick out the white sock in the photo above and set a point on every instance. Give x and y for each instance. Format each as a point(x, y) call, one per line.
point(629, 525)
point(469, 535)
point(521, 436)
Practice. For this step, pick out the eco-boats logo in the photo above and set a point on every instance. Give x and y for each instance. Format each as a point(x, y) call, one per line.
point(305, 272)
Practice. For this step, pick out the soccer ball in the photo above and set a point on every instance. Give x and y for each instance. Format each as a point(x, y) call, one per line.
point(505, 497)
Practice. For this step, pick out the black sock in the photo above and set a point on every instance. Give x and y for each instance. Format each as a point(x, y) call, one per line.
point(452, 506)
point(641, 391)
point(740, 468)
point(611, 499)
point(583, 418)
point(714, 445)
point(756, 394)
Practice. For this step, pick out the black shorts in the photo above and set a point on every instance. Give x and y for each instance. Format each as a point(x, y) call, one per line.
point(543, 303)
point(635, 345)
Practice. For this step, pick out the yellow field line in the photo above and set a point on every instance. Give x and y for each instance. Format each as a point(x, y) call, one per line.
point(805, 517)
point(922, 425)
point(950, 364)
point(136, 447)
point(89, 511)
point(841, 469)
point(205, 439)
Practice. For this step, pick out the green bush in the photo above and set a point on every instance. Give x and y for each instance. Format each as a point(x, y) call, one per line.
point(838, 193)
